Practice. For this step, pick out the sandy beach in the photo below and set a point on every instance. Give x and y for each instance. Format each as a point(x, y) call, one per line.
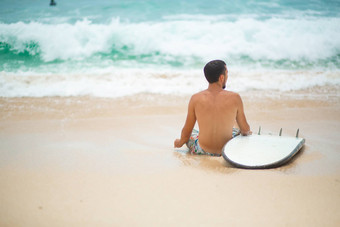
point(84, 161)
point(93, 95)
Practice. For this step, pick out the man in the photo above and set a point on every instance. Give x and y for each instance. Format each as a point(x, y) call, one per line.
point(215, 111)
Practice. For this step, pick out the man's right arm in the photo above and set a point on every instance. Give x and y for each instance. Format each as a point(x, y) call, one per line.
point(188, 126)
point(241, 118)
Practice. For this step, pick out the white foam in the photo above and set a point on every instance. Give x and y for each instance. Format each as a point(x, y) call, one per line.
point(125, 82)
point(282, 80)
point(311, 39)
point(275, 38)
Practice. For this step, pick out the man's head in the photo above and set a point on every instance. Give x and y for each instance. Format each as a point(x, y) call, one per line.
point(213, 71)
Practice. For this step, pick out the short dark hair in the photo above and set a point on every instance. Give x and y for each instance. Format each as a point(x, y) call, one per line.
point(213, 70)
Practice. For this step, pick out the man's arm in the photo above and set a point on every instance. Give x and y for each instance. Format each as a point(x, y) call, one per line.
point(188, 126)
point(241, 118)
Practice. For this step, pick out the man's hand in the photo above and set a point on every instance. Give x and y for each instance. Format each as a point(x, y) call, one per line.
point(178, 143)
point(247, 133)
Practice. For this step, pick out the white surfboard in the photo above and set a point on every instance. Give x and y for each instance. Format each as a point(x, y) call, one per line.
point(261, 151)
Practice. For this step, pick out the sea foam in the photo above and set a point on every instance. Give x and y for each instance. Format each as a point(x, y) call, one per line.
point(118, 59)
point(308, 39)
point(125, 82)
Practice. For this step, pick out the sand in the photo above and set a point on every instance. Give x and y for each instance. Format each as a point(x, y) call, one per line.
point(85, 161)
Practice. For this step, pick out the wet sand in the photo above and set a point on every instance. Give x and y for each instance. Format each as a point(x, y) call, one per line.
point(84, 161)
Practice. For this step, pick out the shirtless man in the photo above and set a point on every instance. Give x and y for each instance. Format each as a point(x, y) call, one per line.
point(215, 111)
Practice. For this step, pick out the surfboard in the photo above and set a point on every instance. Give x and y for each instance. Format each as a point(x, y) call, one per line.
point(261, 151)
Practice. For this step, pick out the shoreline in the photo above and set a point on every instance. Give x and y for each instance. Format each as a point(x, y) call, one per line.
point(320, 95)
point(315, 112)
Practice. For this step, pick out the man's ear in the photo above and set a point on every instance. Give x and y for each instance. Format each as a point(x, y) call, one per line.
point(221, 78)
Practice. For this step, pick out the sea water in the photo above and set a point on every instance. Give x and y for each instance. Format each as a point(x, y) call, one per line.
point(117, 48)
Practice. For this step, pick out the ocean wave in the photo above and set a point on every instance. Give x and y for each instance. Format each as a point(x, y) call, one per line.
point(309, 40)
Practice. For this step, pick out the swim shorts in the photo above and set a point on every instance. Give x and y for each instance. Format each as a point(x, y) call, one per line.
point(194, 146)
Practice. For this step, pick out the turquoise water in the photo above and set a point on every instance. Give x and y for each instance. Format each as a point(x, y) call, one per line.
point(175, 37)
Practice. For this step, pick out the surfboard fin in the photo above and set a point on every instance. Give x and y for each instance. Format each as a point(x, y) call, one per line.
point(259, 133)
point(280, 132)
point(297, 133)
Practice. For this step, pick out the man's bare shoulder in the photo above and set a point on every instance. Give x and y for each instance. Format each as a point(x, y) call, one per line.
point(231, 94)
point(225, 93)
point(198, 95)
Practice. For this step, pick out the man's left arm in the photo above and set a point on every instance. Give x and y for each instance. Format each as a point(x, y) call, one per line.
point(188, 126)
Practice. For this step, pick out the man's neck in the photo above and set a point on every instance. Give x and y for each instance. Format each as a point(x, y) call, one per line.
point(215, 87)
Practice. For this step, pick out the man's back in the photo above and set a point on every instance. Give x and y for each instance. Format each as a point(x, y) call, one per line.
point(215, 112)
